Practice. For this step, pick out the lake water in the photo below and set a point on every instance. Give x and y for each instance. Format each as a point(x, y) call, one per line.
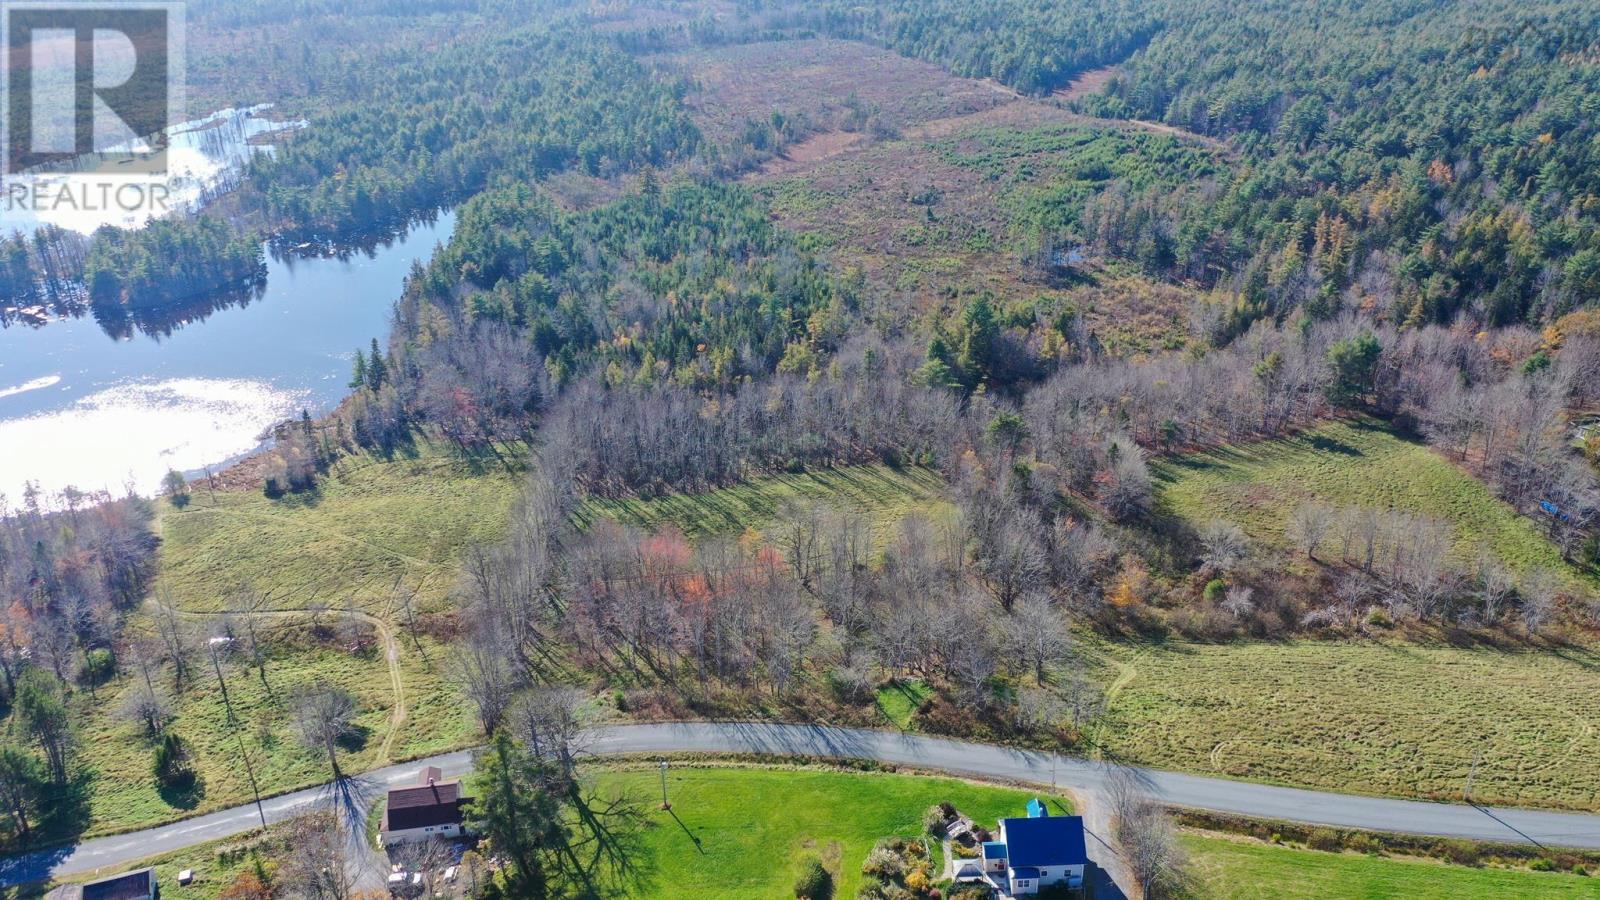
point(80, 408)
point(204, 158)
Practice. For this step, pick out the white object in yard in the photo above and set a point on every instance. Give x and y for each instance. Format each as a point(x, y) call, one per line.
point(450, 874)
point(397, 879)
point(186, 876)
point(416, 879)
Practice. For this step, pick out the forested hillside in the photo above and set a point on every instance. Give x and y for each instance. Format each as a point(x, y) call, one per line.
point(463, 119)
point(716, 345)
point(1429, 158)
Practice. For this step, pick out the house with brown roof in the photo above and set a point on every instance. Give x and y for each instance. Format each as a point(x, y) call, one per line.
point(429, 809)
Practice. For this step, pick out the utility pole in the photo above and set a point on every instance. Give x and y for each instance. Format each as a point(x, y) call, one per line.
point(250, 771)
point(216, 645)
point(664, 803)
point(1466, 793)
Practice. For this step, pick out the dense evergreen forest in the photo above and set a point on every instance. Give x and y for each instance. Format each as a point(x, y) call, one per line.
point(463, 119)
point(687, 284)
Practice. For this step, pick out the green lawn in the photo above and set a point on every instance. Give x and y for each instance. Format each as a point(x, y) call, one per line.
point(754, 827)
point(1228, 868)
point(370, 525)
point(882, 493)
point(1259, 485)
point(1372, 718)
point(899, 700)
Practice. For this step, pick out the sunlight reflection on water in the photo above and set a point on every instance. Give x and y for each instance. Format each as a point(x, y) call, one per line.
point(186, 423)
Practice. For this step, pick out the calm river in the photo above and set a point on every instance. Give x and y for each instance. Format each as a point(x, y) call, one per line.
point(80, 408)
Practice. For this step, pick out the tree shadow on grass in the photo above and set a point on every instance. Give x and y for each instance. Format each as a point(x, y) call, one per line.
point(183, 793)
point(355, 740)
point(65, 813)
point(602, 855)
point(1324, 444)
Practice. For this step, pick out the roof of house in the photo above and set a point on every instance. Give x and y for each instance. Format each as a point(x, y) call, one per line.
point(426, 806)
point(994, 850)
point(1048, 841)
point(1025, 872)
point(127, 886)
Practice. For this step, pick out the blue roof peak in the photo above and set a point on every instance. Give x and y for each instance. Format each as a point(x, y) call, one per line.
point(1046, 841)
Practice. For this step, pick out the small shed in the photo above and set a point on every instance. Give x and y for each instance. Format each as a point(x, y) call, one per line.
point(1037, 809)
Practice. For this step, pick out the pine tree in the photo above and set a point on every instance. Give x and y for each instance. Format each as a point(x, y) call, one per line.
point(358, 377)
point(377, 369)
point(513, 810)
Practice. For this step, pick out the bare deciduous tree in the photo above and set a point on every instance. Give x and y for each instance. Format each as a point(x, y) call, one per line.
point(324, 714)
point(1539, 590)
point(147, 708)
point(1239, 601)
point(317, 864)
point(1145, 834)
point(1223, 545)
point(1309, 526)
point(1035, 634)
point(550, 724)
point(481, 669)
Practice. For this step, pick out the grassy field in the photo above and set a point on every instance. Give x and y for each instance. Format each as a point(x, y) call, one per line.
point(124, 793)
point(1227, 868)
point(884, 494)
point(739, 833)
point(1258, 485)
point(1362, 717)
point(370, 525)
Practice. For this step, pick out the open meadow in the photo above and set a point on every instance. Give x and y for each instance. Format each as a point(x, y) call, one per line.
point(1367, 717)
point(372, 529)
point(1356, 463)
point(1227, 868)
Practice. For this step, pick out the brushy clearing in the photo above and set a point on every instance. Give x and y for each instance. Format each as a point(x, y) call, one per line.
point(1401, 720)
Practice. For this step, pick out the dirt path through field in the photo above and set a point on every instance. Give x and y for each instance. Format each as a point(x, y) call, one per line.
point(391, 654)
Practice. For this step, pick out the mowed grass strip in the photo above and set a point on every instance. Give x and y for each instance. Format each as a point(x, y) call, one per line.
point(882, 493)
point(1259, 485)
point(737, 833)
point(1401, 720)
point(370, 525)
point(1231, 869)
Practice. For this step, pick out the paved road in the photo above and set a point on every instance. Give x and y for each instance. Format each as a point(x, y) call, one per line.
point(1082, 777)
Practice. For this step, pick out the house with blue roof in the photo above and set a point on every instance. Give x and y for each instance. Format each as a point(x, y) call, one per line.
point(1032, 853)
